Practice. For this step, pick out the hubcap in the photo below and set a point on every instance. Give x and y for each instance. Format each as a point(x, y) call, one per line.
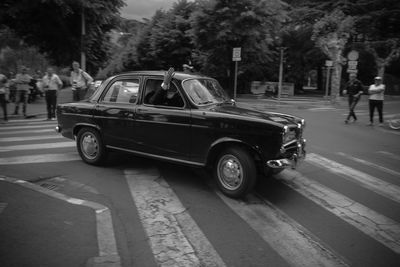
point(230, 172)
point(90, 146)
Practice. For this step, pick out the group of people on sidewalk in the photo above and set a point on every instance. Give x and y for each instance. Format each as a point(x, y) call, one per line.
point(50, 84)
point(354, 89)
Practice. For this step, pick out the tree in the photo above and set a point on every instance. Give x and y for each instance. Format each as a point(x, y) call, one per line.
point(220, 25)
point(331, 34)
point(377, 25)
point(165, 41)
point(54, 26)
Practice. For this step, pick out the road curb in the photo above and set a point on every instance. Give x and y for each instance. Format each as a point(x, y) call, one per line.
point(108, 254)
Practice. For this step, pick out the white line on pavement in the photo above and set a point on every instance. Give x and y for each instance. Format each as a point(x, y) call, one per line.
point(27, 132)
point(43, 158)
point(376, 166)
point(288, 238)
point(174, 236)
point(380, 187)
point(7, 128)
point(31, 138)
point(390, 155)
point(383, 229)
point(37, 146)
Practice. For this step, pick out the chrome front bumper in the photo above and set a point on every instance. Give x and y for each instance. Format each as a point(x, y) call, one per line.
point(291, 162)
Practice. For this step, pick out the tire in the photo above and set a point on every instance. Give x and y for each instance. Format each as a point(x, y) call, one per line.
point(235, 172)
point(90, 146)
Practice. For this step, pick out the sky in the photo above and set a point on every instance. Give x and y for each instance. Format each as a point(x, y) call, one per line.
point(139, 9)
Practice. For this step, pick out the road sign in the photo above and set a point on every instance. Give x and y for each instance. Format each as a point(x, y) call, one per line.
point(236, 54)
point(328, 63)
point(352, 55)
point(352, 63)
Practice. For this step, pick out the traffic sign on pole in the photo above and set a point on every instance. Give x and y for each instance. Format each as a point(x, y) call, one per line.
point(236, 53)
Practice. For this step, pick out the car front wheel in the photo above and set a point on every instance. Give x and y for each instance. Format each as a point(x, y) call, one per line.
point(235, 172)
point(90, 146)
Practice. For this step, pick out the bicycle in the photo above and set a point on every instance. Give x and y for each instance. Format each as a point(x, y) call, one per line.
point(394, 122)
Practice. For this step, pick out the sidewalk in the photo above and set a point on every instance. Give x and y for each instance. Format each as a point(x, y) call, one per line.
point(39, 229)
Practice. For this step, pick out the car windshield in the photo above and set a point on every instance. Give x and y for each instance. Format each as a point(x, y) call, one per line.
point(205, 91)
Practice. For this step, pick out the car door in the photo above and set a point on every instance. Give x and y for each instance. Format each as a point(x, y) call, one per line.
point(163, 127)
point(115, 113)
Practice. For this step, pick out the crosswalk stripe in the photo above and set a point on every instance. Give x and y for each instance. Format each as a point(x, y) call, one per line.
point(36, 126)
point(174, 236)
point(383, 229)
point(378, 186)
point(42, 158)
point(289, 239)
point(376, 166)
point(390, 155)
point(37, 146)
point(27, 132)
point(30, 138)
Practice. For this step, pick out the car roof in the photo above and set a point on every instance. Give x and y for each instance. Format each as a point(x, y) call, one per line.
point(178, 75)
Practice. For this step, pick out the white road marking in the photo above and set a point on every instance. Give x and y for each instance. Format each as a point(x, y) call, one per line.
point(27, 132)
point(383, 229)
point(376, 166)
point(37, 146)
point(174, 236)
point(390, 155)
point(42, 158)
point(380, 187)
point(294, 243)
point(36, 126)
point(31, 138)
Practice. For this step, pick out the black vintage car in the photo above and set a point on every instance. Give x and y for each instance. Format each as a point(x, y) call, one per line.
point(193, 123)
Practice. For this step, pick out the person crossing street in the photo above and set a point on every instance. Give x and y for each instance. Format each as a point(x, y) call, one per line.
point(354, 89)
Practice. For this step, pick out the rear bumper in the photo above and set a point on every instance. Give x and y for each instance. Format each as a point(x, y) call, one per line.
point(293, 160)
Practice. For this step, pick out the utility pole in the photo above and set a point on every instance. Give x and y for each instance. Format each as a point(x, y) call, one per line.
point(83, 39)
point(280, 73)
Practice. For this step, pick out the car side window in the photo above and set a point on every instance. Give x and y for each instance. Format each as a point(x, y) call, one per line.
point(155, 95)
point(124, 91)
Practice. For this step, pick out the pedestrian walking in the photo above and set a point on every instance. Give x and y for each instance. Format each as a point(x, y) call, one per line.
point(3, 96)
point(22, 81)
point(51, 84)
point(376, 96)
point(354, 89)
point(80, 80)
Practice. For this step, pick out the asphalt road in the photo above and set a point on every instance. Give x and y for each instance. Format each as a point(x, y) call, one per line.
point(341, 207)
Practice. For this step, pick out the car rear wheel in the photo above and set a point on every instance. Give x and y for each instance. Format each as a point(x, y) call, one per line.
point(235, 172)
point(90, 146)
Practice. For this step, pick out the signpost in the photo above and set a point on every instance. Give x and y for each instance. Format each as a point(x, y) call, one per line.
point(236, 53)
point(352, 62)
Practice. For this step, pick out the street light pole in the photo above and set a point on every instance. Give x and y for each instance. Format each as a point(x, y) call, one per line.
point(280, 73)
point(83, 39)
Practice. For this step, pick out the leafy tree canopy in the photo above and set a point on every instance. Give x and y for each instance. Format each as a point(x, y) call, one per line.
point(54, 26)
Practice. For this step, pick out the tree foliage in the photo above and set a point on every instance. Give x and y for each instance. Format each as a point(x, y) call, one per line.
point(54, 26)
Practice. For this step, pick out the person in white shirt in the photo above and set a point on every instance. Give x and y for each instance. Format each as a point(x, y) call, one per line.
point(80, 81)
point(51, 84)
point(376, 95)
point(22, 80)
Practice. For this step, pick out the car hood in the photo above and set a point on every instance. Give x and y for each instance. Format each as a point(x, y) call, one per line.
point(274, 117)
